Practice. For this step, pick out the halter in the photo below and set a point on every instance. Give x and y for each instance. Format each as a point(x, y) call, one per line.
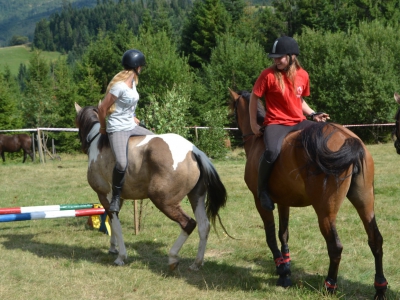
point(92, 135)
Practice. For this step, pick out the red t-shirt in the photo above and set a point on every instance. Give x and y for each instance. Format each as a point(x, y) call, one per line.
point(282, 108)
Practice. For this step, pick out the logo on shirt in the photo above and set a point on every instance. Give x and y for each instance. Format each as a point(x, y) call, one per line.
point(299, 91)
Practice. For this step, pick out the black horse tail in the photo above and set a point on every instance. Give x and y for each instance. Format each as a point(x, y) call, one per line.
point(216, 192)
point(321, 159)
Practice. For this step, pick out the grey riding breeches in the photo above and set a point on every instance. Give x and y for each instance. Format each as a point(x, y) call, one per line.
point(119, 144)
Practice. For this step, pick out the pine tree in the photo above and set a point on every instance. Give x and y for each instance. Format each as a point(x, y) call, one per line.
point(207, 21)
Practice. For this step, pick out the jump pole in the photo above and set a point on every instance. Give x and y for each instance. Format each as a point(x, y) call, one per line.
point(51, 214)
point(44, 208)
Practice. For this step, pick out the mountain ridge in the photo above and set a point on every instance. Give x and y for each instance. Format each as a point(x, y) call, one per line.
point(19, 17)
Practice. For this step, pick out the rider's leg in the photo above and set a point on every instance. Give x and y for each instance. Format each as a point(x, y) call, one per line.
point(264, 172)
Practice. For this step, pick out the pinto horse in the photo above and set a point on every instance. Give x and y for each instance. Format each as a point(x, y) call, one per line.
point(322, 165)
point(164, 168)
point(14, 143)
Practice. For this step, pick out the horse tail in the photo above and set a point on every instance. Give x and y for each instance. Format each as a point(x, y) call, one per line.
point(216, 192)
point(321, 159)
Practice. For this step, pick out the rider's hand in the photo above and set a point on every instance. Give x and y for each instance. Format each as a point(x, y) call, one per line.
point(319, 116)
point(256, 129)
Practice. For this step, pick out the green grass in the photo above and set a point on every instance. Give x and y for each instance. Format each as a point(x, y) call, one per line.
point(62, 259)
point(14, 56)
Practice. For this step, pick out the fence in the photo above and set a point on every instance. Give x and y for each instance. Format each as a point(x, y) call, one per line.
point(42, 142)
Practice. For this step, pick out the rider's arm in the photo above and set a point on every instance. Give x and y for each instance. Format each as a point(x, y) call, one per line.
point(253, 114)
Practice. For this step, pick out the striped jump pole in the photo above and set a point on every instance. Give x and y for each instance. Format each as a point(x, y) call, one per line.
point(51, 214)
point(31, 209)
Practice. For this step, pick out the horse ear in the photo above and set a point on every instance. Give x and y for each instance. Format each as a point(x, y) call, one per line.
point(397, 98)
point(233, 94)
point(77, 107)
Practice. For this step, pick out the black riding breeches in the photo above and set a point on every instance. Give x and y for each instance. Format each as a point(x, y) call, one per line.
point(274, 135)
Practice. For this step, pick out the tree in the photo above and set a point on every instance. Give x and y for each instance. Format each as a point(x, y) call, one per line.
point(229, 67)
point(207, 21)
point(165, 84)
point(18, 40)
point(353, 76)
point(39, 108)
point(10, 114)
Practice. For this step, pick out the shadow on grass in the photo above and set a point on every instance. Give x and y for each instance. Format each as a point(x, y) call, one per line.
point(151, 255)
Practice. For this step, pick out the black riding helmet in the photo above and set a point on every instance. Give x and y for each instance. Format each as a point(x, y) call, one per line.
point(284, 45)
point(132, 59)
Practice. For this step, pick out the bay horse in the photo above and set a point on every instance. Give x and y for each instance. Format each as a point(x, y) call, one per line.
point(164, 168)
point(397, 127)
point(318, 166)
point(14, 143)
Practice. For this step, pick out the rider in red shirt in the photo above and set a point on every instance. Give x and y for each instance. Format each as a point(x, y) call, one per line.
point(283, 85)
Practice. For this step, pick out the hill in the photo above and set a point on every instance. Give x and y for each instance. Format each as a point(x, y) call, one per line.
point(14, 56)
point(19, 17)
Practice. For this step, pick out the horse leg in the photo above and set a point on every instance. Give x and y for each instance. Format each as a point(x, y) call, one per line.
point(173, 210)
point(2, 156)
point(116, 233)
point(283, 262)
point(203, 228)
point(375, 240)
point(270, 234)
point(327, 225)
point(23, 161)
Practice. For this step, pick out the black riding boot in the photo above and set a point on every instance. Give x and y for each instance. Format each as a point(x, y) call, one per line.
point(118, 179)
point(264, 172)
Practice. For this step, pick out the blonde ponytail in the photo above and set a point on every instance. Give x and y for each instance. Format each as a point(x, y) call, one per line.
point(121, 76)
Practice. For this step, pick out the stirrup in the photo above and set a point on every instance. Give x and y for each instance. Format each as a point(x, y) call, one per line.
point(266, 201)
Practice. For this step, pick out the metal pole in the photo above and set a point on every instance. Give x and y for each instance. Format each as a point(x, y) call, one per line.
point(33, 147)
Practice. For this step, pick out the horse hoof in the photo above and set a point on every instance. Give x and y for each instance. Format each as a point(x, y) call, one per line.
point(284, 282)
point(194, 267)
point(380, 296)
point(119, 262)
point(113, 252)
point(173, 266)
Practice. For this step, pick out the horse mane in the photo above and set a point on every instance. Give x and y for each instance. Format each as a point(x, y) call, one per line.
point(260, 107)
point(320, 159)
point(85, 120)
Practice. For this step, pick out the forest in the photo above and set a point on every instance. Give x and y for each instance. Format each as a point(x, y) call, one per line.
point(196, 50)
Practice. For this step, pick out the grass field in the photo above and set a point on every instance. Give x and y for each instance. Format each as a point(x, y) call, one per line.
point(62, 259)
point(14, 56)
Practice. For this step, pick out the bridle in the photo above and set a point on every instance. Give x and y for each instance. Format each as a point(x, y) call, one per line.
point(246, 136)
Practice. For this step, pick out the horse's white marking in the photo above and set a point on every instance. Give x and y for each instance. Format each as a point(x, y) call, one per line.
point(178, 146)
point(93, 149)
point(173, 253)
point(203, 226)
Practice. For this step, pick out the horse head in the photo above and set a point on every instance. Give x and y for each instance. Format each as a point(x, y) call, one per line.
point(397, 127)
point(239, 106)
point(86, 118)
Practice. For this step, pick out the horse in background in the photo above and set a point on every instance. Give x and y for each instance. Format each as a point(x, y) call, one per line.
point(164, 168)
point(319, 166)
point(14, 143)
point(397, 127)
